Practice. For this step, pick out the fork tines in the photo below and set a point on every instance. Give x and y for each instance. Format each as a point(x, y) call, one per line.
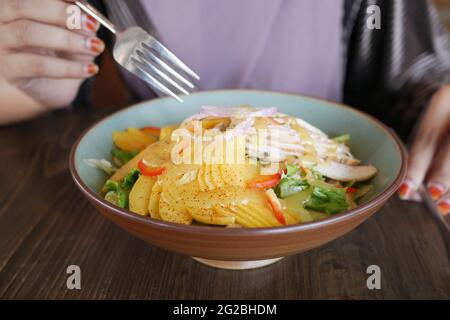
point(162, 70)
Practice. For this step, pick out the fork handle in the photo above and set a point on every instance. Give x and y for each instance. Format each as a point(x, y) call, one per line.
point(89, 9)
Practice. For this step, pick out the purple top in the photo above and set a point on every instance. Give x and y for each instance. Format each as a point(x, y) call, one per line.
point(286, 45)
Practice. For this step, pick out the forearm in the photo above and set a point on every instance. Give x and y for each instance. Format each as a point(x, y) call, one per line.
point(15, 105)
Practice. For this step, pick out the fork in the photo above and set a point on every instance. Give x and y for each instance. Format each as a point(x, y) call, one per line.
point(144, 56)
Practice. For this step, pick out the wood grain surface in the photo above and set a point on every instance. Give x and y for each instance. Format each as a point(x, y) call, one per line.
point(46, 225)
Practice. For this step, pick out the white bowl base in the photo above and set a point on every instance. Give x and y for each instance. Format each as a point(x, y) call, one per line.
point(237, 265)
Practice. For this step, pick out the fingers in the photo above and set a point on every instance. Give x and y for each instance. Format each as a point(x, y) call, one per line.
point(76, 57)
point(432, 130)
point(53, 12)
point(443, 204)
point(439, 179)
point(27, 65)
point(26, 34)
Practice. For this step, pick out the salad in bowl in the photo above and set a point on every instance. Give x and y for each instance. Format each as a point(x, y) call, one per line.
point(238, 167)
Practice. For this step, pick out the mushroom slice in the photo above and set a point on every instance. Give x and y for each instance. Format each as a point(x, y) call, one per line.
point(346, 173)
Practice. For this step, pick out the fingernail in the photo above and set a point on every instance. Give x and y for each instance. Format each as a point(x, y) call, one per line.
point(444, 207)
point(405, 190)
point(92, 69)
point(436, 190)
point(90, 23)
point(96, 45)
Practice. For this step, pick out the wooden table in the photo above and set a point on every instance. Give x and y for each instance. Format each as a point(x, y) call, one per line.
point(46, 225)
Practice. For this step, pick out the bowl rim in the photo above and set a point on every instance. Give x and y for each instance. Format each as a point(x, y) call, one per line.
point(231, 232)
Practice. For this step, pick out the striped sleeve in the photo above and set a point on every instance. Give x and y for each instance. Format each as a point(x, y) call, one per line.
point(393, 72)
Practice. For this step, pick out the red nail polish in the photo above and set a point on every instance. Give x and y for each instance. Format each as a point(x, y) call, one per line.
point(405, 190)
point(444, 207)
point(436, 190)
point(91, 24)
point(92, 20)
point(92, 69)
point(96, 45)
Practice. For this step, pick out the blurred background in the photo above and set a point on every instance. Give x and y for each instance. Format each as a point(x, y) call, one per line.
point(444, 8)
point(109, 90)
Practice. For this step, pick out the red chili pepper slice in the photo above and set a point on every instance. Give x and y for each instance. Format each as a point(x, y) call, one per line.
point(351, 190)
point(268, 182)
point(277, 212)
point(150, 171)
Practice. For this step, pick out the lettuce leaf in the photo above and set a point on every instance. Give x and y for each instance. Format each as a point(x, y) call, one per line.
point(117, 193)
point(290, 186)
point(327, 200)
point(130, 179)
point(290, 183)
point(292, 170)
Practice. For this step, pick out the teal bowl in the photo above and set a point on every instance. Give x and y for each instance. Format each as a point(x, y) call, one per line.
point(371, 141)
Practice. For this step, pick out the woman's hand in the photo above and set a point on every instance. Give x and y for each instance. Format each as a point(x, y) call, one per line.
point(429, 160)
point(40, 56)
